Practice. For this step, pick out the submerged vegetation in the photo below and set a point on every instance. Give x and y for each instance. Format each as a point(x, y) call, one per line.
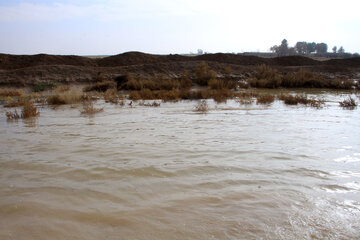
point(349, 103)
point(28, 111)
point(202, 84)
point(89, 108)
point(202, 106)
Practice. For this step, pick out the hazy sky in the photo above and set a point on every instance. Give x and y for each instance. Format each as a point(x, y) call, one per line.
point(90, 27)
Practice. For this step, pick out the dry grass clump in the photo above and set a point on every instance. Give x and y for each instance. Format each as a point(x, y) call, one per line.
point(28, 111)
point(293, 100)
point(101, 86)
point(202, 106)
point(265, 77)
point(10, 93)
point(349, 103)
point(159, 83)
point(204, 74)
point(301, 99)
point(265, 99)
point(339, 83)
point(111, 96)
point(69, 97)
point(185, 80)
point(89, 108)
point(220, 95)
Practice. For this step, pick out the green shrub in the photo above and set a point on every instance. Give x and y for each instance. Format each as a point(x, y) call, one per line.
point(42, 87)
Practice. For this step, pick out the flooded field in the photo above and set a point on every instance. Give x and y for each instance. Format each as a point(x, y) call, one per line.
point(237, 172)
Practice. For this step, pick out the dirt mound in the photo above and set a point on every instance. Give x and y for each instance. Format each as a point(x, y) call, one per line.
point(348, 62)
point(138, 58)
point(9, 62)
point(232, 59)
point(293, 61)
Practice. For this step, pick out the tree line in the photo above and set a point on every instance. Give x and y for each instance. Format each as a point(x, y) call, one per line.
point(303, 48)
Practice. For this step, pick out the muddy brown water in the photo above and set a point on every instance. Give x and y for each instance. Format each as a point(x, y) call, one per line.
point(237, 172)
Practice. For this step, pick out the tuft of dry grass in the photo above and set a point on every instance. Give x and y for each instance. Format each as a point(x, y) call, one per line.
point(202, 106)
point(349, 103)
point(68, 97)
point(204, 74)
point(111, 96)
point(301, 99)
point(88, 108)
point(10, 93)
point(266, 77)
point(265, 99)
point(29, 110)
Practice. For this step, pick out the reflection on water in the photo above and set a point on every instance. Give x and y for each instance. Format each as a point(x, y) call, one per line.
point(238, 172)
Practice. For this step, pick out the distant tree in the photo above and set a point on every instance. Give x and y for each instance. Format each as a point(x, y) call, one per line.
point(321, 48)
point(301, 47)
point(283, 48)
point(310, 47)
point(334, 49)
point(274, 49)
point(200, 52)
point(341, 50)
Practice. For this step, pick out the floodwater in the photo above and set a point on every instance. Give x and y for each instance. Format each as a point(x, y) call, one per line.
point(237, 172)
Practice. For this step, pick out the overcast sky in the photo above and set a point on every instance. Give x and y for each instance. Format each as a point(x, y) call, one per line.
point(107, 27)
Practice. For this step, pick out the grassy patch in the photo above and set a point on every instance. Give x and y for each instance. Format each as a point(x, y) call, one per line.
point(42, 87)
